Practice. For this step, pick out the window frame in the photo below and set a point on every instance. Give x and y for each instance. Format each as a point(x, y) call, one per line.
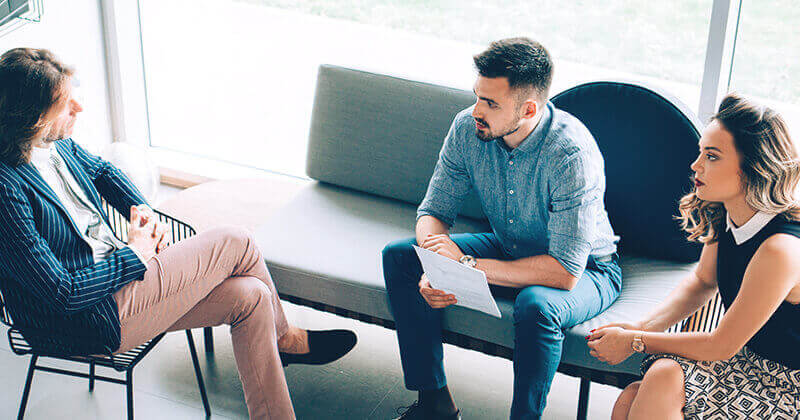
point(121, 20)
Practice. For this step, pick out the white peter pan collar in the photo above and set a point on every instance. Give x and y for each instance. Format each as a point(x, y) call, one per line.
point(750, 228)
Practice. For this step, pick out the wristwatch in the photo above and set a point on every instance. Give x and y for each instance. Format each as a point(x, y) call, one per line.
point(637, 344)
point(468, 260)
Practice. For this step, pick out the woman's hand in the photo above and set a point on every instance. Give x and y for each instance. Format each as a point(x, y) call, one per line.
point(611, 344)
point(638, 326)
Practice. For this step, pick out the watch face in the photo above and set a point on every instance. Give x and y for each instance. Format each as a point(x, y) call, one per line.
point(638, 346)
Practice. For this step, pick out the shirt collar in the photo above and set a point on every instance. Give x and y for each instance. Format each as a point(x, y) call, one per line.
point(536, 136)
point(40, 156)
point(746, 231)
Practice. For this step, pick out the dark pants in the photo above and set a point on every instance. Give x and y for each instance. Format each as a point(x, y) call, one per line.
point(540, 315)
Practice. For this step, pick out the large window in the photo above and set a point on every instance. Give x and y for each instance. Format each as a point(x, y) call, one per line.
point(766, 63)
point(234, 79)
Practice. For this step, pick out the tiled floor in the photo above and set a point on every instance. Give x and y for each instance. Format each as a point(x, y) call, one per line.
point(366, 384)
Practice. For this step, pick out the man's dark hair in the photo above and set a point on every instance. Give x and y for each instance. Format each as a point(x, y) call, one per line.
point(524, 62)
point(31, 82)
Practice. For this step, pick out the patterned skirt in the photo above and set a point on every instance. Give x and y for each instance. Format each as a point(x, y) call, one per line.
point(746, 386)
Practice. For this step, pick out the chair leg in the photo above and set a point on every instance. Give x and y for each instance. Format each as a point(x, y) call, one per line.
point(208, 339)
point(91, 376)
point(583, 399)
point(27, 390)
point(197, 372)
point(129, 388)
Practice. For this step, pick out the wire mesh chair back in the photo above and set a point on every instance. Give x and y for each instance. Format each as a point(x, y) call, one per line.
point(5, 318)
point(119, 224)
point(706, 318)
point(39, 339)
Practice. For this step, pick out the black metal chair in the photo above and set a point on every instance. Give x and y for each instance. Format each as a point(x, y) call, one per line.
point(45, 346)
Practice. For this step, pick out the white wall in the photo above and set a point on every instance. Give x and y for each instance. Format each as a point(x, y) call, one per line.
point(72, 29)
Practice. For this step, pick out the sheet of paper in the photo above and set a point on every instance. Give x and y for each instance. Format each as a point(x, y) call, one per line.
point(467, 284)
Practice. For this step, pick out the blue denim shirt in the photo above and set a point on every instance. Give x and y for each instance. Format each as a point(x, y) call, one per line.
point(543, 197)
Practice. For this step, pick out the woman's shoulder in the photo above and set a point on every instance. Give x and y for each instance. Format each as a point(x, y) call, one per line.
point(782, 245)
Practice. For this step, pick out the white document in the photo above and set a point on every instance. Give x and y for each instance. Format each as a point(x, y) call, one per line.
point(467, 284)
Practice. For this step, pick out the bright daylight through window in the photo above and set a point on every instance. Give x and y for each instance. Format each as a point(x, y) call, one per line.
point(234, 79)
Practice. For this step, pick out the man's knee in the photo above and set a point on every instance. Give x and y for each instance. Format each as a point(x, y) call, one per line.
point(536, 307)
point(234, 240)
point(251, 293)
point(398, 255)
point(233, 235)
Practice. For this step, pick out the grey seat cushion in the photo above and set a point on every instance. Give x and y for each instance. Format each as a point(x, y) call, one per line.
point(325, 244)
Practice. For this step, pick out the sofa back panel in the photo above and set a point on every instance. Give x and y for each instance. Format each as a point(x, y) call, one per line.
point(648, 140)
point(381, 134)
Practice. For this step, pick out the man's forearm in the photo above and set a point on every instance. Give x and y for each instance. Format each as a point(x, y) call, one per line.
point(429, 225)
point(542, 270)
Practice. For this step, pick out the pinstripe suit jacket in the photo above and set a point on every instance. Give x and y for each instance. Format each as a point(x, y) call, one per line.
point(50, 279)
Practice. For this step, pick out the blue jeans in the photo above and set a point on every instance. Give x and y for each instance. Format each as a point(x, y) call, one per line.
point(540, 315)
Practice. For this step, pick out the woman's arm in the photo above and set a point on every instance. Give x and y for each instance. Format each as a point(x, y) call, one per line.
point(692, 293)
point(770, 276)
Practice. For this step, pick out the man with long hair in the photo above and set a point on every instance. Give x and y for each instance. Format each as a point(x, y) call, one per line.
point(57, 249)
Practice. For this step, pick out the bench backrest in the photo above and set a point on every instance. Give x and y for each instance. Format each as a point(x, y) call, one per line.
point(382, 135)
point(648, 139)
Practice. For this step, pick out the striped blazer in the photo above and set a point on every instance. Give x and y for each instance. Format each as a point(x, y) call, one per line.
point(50, 280)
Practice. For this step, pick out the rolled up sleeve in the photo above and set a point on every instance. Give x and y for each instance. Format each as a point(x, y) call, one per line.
point(449, 184)
point(576, 195)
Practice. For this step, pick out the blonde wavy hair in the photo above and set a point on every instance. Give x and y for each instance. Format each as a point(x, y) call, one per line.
point(770, 169)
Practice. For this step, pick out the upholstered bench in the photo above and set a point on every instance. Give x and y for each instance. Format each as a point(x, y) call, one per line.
point(373, 143)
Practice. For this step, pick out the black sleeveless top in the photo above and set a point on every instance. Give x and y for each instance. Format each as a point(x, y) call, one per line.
point(779, 339)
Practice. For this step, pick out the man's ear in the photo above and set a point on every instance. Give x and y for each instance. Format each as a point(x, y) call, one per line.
point(531, 108)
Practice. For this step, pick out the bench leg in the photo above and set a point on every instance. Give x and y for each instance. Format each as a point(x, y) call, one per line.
point(583, 399)
point(208, 339)
point(91, 376)
point(198, 373)
point(26, 392)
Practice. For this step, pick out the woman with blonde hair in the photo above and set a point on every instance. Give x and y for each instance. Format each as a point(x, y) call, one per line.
point(745, 211)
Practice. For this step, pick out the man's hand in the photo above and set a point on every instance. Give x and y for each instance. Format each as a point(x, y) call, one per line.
point(437, 299)
point(142, 234)
point(442, 245)
point(162, 229)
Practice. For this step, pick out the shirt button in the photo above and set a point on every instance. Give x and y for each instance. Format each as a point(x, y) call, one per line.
point(514, 246)
point(511, 221)
point(511, 162)
point(511, 192)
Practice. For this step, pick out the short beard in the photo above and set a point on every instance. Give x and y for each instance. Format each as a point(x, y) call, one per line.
point(487, 138)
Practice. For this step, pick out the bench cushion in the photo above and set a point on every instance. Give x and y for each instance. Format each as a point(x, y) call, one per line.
point(381, 134)
point(324, 246)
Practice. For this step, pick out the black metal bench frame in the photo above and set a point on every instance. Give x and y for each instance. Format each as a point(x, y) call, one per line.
point(705, 319)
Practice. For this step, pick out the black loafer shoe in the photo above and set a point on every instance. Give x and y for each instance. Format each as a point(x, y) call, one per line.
point(324, 346)
point(417, 412)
